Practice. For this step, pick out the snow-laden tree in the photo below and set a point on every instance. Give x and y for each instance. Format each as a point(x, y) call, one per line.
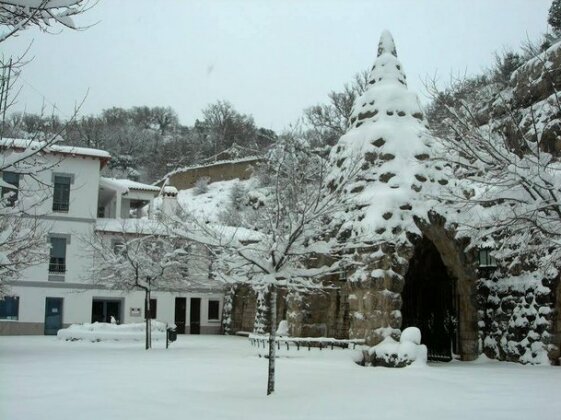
point(554, 15)
point(508, 172)
point(22, 236)
point(278, 247)
point(18, 15)
point(143, 256)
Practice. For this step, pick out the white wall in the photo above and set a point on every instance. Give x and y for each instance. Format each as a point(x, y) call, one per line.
point(78, 222)
point(77, 305)
point(83, 191)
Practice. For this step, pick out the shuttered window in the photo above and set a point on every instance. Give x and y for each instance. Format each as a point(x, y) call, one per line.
point(61, 195)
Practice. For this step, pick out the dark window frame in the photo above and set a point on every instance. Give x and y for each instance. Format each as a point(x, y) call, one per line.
point(57, 263)
point(61, 192)
point(11, 201)
point(211, 310)
point(8, 306)
point(485, 259)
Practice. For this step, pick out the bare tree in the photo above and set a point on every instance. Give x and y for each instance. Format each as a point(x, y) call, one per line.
point(142, 256)
point(21, 235)
point(277, 250)
point(22, 191)
point(327, 122)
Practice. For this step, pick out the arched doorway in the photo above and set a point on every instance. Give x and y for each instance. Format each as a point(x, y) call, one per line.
point(430, 301)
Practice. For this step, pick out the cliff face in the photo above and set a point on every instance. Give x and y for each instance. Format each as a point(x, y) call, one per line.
point(518, 112)
point(525, 102)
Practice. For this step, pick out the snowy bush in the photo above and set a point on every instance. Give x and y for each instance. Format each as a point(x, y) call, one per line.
point(201, 185)
point(391, 353)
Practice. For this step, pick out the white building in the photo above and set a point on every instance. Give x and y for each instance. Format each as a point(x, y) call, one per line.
point(60, 291)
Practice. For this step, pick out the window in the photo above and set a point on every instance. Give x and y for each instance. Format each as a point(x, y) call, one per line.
point(342, 275)
point(57, 262)
point(61, 195)
point(213, 310)
point(118, 246)
point(153, 308)
point(11, 178)
point(486, 259)
point(9, 307)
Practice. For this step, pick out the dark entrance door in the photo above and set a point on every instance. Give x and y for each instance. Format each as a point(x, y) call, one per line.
point(195, 316)
point(104, 309)
point(429, 301)
point(53, 315)
point(180, 314)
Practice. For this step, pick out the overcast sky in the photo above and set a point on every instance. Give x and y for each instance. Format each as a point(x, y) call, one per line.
point(270, 59)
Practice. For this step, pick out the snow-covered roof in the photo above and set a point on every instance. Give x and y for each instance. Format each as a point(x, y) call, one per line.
point(170, 190)
point(382, 161)
point(131, 226)
point(54, 148)
point(125, 185)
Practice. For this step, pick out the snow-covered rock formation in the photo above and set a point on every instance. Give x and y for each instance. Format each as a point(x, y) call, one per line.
point(383, 159)
point(384, 164)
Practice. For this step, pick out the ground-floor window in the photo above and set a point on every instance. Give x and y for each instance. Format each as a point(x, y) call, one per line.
point(9, 307)
point(105, 309)
point(213, 310)
point(153, 308)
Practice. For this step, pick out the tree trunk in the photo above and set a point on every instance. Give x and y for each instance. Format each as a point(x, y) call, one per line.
point(261, 312)
point(272, 343)
point(147, 313)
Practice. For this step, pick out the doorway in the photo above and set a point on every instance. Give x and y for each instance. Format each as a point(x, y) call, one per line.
point(429, 301)
point(53, 315)
point(180, 314)
point(195, 316)
point(104, 309)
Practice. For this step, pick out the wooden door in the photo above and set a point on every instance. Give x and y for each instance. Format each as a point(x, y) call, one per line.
point(180, 314)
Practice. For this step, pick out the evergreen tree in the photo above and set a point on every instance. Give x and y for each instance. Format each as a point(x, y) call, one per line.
point(554, 16)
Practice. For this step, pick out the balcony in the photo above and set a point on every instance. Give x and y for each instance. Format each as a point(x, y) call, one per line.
point(123, 198)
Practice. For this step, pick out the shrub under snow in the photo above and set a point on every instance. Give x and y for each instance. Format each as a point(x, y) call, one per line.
point(391, 353)
point(101, 331)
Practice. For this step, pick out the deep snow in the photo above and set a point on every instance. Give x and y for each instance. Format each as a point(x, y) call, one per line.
point(217, 377)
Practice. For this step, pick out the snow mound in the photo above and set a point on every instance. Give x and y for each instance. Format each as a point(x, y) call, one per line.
point(411, 334)
point(390, 353)
point(282, 330)
point(101, 331)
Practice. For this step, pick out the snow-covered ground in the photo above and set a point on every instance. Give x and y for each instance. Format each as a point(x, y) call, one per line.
point(216, 377)
point(210, 204)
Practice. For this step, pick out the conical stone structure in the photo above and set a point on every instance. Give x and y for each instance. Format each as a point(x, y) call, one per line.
point(383, 164)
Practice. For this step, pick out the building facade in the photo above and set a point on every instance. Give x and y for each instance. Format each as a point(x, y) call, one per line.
point(76, 203)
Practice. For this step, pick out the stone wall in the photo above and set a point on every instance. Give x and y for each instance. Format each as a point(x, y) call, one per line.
point(220, 171)
point(243, 310)
point(322, 314)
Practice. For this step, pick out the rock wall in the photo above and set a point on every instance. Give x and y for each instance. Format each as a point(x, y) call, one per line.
point(324, 314)
point(221, 171)
point(517, 316)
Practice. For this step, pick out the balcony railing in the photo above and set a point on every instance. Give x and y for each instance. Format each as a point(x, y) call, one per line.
point(60, 205)
point(57, 265)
